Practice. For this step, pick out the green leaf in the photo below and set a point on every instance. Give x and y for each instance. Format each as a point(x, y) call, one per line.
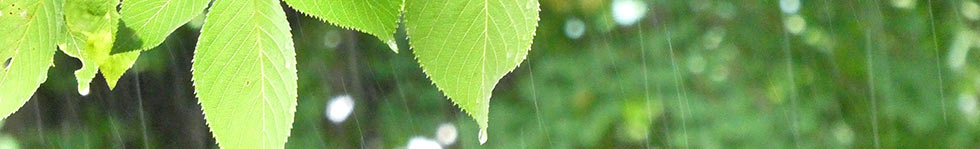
point(92, 27)
point(244, 73)
point(149, 22)
point(117, 64)
point(375, 17)
point(31, 31)
point(467, 46)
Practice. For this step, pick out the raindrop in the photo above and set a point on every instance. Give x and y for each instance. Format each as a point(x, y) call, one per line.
point(958, 50)
point(794, 24)
point(696, 64)
point(574, 28)
point(339, 108)
point(332, 39)
point(789, 6)
point(422, 143)
point(391, 44)
point(817, 38)
point(446, 134)
point(714, 37)
point(903, 4)
point(483, 136)
point(627, 12)
point(843, 134)
point(968, 106)
point(8, 141)
point(726, 10)
point(970, 10)
point(83, 91)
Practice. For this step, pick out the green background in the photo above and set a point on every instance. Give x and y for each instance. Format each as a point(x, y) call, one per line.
point(689, 73)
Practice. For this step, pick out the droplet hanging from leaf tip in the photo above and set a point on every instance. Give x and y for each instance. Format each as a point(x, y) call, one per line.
point(83, 91)
point(483, 136)
point(392, 45)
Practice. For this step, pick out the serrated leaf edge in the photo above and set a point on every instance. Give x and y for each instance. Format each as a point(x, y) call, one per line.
point(351, 27)
point(194, 84)
point(427, 75)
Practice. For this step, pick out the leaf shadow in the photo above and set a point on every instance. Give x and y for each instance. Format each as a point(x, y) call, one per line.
point(126, 40)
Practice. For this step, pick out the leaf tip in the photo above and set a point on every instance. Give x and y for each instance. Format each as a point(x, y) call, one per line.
point(111, 82)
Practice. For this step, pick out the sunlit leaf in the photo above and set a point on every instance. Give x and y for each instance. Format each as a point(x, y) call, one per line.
point(116, 65)
point(31, 31)
point(244, 73)
point(375, 17)
point(92, 26)
point(467, 46)
point(147, 23)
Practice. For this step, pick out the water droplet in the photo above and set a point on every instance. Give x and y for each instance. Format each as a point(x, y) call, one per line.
point(83, 91)
point(794, 24)
point(627, 12)
point(726, 10)
point(483, 136)
point(843, 134)
point(574, 28)
point(422, 143)
point(970, 10)
point(714, 37)
point(331, 39)
point(958, 50)
point(903, 4)
point(696, 64)
point(446, 134)
point(968, 106)
point(339, 108)
point(789, 6)
point(392, 45)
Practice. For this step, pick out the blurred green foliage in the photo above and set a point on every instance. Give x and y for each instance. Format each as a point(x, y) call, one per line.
point(697, 73)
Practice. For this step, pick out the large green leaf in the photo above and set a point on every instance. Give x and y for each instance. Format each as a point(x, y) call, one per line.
point(466, 46)
point(31, 31)
point(244, 73)
point(375, 17)
point(92, 27)
point(147, 23)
